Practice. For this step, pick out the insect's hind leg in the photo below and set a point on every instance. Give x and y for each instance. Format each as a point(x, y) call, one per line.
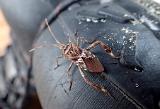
point(106, 48)
point(94, 85)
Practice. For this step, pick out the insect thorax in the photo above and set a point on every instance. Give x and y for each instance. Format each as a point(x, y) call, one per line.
point(71, 50)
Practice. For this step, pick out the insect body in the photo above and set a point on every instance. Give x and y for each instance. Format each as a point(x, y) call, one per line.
point(81, 57)
point(84, 59)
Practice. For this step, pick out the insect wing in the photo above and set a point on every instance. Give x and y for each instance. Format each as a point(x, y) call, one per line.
point(93, 65)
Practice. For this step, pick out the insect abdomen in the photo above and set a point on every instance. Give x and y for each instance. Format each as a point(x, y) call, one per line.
point(93, 64)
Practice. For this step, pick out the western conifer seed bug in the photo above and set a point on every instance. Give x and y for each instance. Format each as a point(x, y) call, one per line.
point(83, 58)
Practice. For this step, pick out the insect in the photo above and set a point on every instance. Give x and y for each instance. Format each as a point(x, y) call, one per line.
point(83, 58)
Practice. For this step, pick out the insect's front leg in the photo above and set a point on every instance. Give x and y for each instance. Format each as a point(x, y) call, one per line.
point(94, 85)
point(57, 63)
point(106, 48)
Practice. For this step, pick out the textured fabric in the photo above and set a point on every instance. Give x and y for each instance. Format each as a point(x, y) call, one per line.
point(133, 81)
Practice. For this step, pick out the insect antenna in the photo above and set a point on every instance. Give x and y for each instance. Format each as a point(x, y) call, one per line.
point(44, 45)
point(66, 30)
point(35, 47)
point(46, 21)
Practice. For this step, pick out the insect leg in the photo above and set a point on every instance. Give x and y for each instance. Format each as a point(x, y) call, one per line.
point(94, 85)
point(76, 33)
point(106, 48)
point(57, 64)
point(77, 37)
point(69, 75)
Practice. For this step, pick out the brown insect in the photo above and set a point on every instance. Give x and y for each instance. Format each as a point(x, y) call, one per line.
point(83, 58)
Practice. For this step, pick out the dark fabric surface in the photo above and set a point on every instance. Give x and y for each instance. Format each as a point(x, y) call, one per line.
point(133, 81)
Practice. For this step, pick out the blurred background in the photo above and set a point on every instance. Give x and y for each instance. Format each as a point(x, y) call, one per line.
point(17, 88)
point(16, 91)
